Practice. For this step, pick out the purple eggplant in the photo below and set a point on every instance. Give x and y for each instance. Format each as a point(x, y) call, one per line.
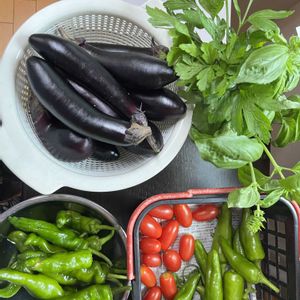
point(63, 143)
point(84, 68)
point(144, 148)
point(60, 99)
point(160, 105)
point(134, 70)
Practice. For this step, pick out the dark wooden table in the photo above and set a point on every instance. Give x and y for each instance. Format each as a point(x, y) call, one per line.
point(186, 171)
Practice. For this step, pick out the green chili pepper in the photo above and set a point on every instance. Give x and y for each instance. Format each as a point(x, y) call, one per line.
point(9, 291)
point(62, 262)
point(40, 286)
point(94, 292)
point(64, 238)
point(200, 255)
point(188, 290)
point(18, 238)
point(179, 281)
point(247, 269)
point(80, 223)
point(223, 229)
point(236, 244)
point(251, 241)
point(213, 281)
point(233, 286)
point(201, 291)
point(42, 244)
point(31, 254)
point(95, 242)
point(63, 279)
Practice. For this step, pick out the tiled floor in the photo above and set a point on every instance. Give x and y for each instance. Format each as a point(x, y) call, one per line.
point(13, 13)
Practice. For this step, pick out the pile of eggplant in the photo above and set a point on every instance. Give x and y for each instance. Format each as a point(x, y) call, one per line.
point(89, 98)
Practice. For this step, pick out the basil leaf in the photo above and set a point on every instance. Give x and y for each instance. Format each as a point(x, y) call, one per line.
point(292, 186)
point(264, 65)
point(213, 7)
point(180, 4)
point(271, 198)
point(244, 175)
point(244, 197)
point(228, 151)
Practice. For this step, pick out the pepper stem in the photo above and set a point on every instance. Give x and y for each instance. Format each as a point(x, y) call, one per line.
point(116, 281)
point(269, 284)
point(107, 238)
point(116, 276)
point(120, 290)
point(119, 271)
point(101, 255)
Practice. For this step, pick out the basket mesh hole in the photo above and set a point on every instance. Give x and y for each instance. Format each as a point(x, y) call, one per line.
point(283, 292)
point(282, 260)
point(281, 243)
point(281, 227)
point(271, 240)
point(271, 224)
point(95, 28)
point(272, 271)
point(282, 276)
point(272, 255)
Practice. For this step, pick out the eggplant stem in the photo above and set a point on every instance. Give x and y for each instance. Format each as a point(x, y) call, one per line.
point(137, 133)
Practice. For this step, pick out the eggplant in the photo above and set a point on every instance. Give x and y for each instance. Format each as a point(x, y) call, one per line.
point(60, 99)
point(134, 70)
point(145, 148)
point(63, 143)
point(95, 101)
point(105, 152)
point(160, 105)
point(85, 69)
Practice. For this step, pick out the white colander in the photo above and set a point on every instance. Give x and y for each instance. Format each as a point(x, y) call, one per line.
point(111, 21)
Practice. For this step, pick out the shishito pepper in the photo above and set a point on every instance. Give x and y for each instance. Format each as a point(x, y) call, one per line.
point(236, 243)
point(233, 286)
point(213, 280)
point(223, 229)
point(188, 290)
point(94, 292)
point(64, 238)
point(247, 269)
point(40, 243)
point(40, 286)
point(200, 255)
point(96, 242)
point(251, 241)
point(62, 262)
point(9, 291)
point(83, 224)
point(18, 238)
point(31, 254)
point(63, 279)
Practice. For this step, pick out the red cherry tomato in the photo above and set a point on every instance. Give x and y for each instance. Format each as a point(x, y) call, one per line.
point(150, 246)
point(147, 276)
point(169, 234)
point(151, 260)
point(186, 247)
point(183, 214)
point(168, 285)
point(153, 294)
point(150, 227)
point(172, 260)
point(164, 212)
point(206, 212)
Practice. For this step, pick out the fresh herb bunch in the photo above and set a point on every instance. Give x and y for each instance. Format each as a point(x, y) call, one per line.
point(238, 83)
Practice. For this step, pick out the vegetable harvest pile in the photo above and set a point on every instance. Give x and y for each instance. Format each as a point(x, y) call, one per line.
point(57, 261)
point(241, 84)
point(92, 97)
point(229, 271)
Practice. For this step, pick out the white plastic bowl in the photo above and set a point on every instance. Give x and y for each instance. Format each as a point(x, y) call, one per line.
point(20, 147)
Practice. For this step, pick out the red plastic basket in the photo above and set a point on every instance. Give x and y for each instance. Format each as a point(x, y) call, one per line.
point(281, 240)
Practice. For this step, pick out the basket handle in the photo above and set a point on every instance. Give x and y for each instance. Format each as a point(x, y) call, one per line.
point(297, 209)
point(168, 196)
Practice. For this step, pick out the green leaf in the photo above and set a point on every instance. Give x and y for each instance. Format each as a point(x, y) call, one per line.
point(296, 167)
point(292, 186)
point(187, 72)
point(213, 7)
point(204, 78)
point(192, 17)
point(257, 123)
point(210, 53)
point(180, 4)
point(237, 8)
point(191, 49)
point(271, 198)
point(244, 175)
point(264, 65)
point(209, 26)
point(228, 151)
point(191, 96)
point(244, 197)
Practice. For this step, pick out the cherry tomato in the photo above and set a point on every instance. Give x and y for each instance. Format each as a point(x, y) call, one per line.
point(169, 234)
point(206, 212)
point(164, 212)
point(168, 285)
point(150, 246)
point(183, 214)
point(147, 276)
point(150, 227)
point(186, 247)
point(172, 260)
point(151, 260)
point(153, 294)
